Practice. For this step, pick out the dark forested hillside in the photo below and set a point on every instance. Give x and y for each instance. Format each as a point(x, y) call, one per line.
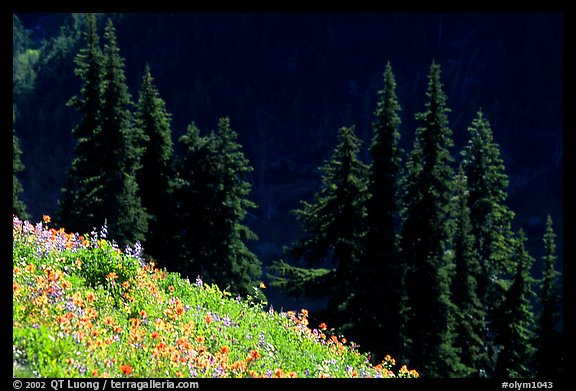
point(289, 81)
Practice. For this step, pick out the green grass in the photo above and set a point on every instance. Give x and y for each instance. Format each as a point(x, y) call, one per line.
point(83, 308)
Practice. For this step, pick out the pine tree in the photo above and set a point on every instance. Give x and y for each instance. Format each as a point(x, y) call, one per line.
point(155, 178)
point(490, 220)
point(425, 237)
point(80, 207)
point(549, 355)
point(470, 315)
point(18, 206)
point(333, 224)
point(377, 324)
point(122, 148)
point(212, 204)
point(516, 318)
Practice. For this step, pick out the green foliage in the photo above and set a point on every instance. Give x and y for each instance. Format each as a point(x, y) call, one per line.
point(18, 206)
point(155, 178)
point(25, 59)
point(375, 323)
point(141, 321)
point(211, 198)
point(516, 320)
point(426, 236)
point(298, 281)
point(80, 206)
point(124, 148)
point(333, 224)
point(549, 354)
point(470, 314)
point(490, 220)
point(101, 184)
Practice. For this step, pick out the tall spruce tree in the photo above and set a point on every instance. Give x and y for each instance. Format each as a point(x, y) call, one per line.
point(490, 220)
point(426, 236)
point(516, 320)
point(18, 206)
point(377, 324)
point(80, 207)
point(470, 315)
point(333, 224)
point(212, 203)
point(122, 148)
point(549, 355)
point(156, 176)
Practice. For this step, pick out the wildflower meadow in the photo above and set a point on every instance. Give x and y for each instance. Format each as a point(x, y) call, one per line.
point(83, 307)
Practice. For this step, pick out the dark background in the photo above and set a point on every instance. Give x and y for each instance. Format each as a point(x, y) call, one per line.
point(289, 81)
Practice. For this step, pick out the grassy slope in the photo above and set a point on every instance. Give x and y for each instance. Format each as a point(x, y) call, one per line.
point(82, 308)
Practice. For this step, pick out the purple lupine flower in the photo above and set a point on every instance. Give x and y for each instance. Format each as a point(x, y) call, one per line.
point(227, 321)
point(218, 371)
point(94, 238)
point(27, 228)
point(104, 230)
point(261, 339)
point(198, 282)
point(307, 372)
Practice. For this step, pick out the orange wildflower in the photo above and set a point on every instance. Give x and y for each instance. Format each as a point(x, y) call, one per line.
point(304, 312)
point(112, 276)
point(262, 285)
point(253, 355)
point(323, 326)
point(155, 335)
point(126, 369)
point(109, 321)
point(171, 288)
point(209, 318)
point(46, 218)
point(278, 372)
point(224, 349)
point(200, 339)
point(94, 373)
point(90, 296)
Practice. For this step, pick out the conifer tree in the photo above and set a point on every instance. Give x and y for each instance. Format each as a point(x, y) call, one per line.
point(80, 208)
point(212, 203)
point(155, 178)
point(470, 315)
point(122, 148)
point(377, 308)
point(549, 354)
point(333, 224)
point(490, 220)
point(425, 239)
point(18, 206)
point(515, 319)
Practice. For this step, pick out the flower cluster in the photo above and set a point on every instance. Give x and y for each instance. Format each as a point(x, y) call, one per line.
point(84, 308)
